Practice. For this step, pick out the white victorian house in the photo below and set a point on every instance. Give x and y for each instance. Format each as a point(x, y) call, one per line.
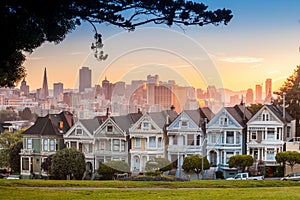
point(186, 135)
point(110, 142)
point(226, 135)
point(81, 137)
point(267, 132)
point(147, 137)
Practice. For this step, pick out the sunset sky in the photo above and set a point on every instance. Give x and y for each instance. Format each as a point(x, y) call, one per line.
point(261, 41)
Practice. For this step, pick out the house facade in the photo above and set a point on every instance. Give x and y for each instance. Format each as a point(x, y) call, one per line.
point(81, 137)
point(226, 135)
point(267, 132)
point(111, 142)
point(41, 140)
point(148, 138)
point(186, 135)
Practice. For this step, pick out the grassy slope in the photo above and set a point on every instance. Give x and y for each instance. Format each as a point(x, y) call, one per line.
point(18, 189)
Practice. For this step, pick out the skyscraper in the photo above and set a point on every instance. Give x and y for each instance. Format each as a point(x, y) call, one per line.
point(58, 89)
point(24, 88)
point(44, 91)
point(249, 96)
point(258, 94)
point(85, 78)
point(268, 90)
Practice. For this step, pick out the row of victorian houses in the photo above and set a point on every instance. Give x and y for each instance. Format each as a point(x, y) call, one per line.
point(139, 137)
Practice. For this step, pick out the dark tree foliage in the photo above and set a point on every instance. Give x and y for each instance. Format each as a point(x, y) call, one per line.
point(291, 91)
point(240, 162)
point(290, 158)
point(108, 170)
point(26, 114)
point(26, 25)
point(254, 108)
point(46, 165)
point(14, 157)
point(194, 163)
point(68, 163)
point(162, 164)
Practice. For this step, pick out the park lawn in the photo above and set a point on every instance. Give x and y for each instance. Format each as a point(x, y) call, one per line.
point(148, 184)
point(262, 193)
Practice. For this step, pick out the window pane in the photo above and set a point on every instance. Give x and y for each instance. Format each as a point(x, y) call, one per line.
point(45, 145)
point(229, 137)
point(52, 145)
point(152, 142)
point(137, 142)
point(29, 144)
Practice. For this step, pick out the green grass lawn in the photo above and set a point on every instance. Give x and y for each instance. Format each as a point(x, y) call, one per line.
point(218, 189)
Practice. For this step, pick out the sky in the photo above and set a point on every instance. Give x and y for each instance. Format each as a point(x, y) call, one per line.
point(261, 41)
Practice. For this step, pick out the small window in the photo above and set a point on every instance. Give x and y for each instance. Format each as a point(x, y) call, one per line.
point(45, 145)
point(152, 142)
point(109, 129)
point(184, 123)
point(52, 145)
point(253, 135)
point(78, 131)
point(29, 143)
point(116, 145)
point(137, 142)
point(146, 125)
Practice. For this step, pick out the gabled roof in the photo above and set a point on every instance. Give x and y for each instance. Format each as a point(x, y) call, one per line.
point(275, 109)
point(200, 114)
point(240, 113)
point(278, 111)
point(50, 124)
point(163, 117)
point(90, 124)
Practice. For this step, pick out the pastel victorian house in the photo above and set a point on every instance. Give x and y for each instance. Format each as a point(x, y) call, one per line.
point(81, 137)
point(226, 136)
point(267, 132)
point(148, 138)
point(43, 139)
point(110, 142)
point(186, 135)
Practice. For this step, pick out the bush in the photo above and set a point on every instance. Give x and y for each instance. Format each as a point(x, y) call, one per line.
point(219, 175)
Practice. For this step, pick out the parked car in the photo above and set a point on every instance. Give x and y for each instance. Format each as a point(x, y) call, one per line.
point(291, 177)
point(13, 177)
point(245, 176)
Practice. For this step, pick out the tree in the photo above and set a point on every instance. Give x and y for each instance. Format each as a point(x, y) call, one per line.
point(163, 164)
point(109, 169)
point(26, 25)
point(240, 162)
point(26, 114)
point(7, 142)
point(194, 163)
point(68, 163)
point(46, 165)
point(254, 108)
point(290, 90)
point(290, 158)
point(14, 157)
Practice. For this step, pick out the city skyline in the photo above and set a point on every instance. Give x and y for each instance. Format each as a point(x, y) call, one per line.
point(256, 46)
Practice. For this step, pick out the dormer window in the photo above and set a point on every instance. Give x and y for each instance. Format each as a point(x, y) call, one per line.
point(146, 125)
point(109, 128)
point(265, 115)
point(78, 131)
point(223, 121)
point(184, 122)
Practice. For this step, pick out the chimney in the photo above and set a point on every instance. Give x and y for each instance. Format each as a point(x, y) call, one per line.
point(107, 112)
point(173, 107)
point(139, 111)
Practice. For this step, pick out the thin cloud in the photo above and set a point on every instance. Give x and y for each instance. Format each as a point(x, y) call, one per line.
point(76, 53)
point(273, 72)
point(240, 59)
point(33, 58)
